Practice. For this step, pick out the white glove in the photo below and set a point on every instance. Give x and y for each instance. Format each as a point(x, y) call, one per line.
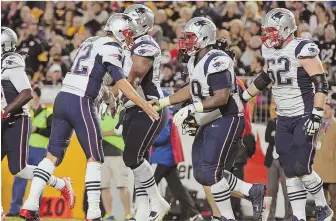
point(313, 124)
point(184, 112)
point(102, 110)
point(160, 103)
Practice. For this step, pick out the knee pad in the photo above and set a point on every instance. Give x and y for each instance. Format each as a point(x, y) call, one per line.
point(293, 181)
point(312, 182)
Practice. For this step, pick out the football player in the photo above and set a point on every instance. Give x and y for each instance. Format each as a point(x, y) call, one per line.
point(15, 120)
point(218, 110)
point(299, 87)
point(74, 109)
point(142, 67)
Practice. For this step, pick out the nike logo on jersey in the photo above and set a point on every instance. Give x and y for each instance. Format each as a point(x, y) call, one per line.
point(214, 125)
point(153, 217)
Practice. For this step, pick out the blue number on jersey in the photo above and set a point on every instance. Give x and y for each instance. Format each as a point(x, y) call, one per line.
point(276, 77)
point(84, 54)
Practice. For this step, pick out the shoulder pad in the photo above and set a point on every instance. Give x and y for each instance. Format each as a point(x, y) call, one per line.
point(146, 46)
point(217, 62)
point(306, 49)
point(12, 60)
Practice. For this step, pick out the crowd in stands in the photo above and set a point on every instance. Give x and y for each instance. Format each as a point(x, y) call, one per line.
point(50, 33)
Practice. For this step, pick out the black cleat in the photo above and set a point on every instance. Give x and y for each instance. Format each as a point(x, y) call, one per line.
point(324, 213)
point(256, 196)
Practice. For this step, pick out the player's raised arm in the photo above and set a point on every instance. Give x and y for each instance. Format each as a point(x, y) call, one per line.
point(309, 60)
point(15, 64)
point(259, 84)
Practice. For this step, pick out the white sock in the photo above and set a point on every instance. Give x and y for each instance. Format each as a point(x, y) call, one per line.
point(93, 183)
point(297, 195)
point(28, 174)
point(42, 174)
point(221, 194)
point(237, 185)
point(314, 184)
point(57, 183)
point(142, 198)
point(145, 174)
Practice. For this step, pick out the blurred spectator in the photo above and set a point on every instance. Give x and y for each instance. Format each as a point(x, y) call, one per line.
point(203, 9)
point(251, 13)
point(52, 84)
point(325, 164)
point(236, 32)
point(162, 21)
point(255, 27)
point(231, 13)
point(76, 27)
point(257, 65)
point(252, 49)
point(319, 20)
point(328, 52)
point(186, 14)
point(168, 79)
point(29, 43)
point(239, 67)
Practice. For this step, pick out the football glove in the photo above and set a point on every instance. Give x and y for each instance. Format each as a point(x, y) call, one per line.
point(184, 112)
point(313, 124)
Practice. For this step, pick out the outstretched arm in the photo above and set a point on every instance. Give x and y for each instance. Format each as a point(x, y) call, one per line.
point(259, 84)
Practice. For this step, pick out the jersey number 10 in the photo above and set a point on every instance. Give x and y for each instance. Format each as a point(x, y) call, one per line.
point(276, 75)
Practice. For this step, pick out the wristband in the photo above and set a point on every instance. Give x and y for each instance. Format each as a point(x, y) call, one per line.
point(164, 102)
point(246, 95)
point(318, 111)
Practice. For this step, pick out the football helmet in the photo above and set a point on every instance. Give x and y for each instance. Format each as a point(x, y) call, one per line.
point(198, 33)
point(279, 24)
point(122, 27)
point(143, 16)
point(8, 40)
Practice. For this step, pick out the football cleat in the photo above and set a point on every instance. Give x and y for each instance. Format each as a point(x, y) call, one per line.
point(68, 193)
point(324, 213)
point(159, 209)
point(256, 196)
point(30, 215)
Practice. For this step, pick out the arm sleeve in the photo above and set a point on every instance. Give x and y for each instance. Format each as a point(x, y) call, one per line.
point(164, 136)
point(268, 133)
point(45, 131)
point(220, 80)
point(19, 78)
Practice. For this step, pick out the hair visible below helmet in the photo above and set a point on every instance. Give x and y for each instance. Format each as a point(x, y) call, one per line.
point(279, 24)
point(122, 27)
point(8, 40)
point(143, 16)
point(199, 32)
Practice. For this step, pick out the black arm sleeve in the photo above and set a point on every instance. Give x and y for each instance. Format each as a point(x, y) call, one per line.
point(46, 132)
point(321, 83)
point(268, 133)
point(262, 81)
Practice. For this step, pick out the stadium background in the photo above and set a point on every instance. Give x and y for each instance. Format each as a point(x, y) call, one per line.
point(51, 32)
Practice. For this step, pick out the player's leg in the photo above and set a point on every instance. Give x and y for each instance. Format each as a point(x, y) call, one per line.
point(121, 175)
point(140, 136)
point(304, 152)
point(106, 182)
point(88, 132)
point(297, 193)
point(219, 137)
point(59, 140)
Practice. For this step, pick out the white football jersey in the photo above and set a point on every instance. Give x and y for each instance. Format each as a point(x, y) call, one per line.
point(145, 46)
point(292, 87)
point(214, 61)
point(13, 79)
point(88, 70)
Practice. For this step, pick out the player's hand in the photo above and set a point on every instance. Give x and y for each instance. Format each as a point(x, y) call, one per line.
point(183, 113)
point(313, 124)
point(159, 104)
point(150, 111)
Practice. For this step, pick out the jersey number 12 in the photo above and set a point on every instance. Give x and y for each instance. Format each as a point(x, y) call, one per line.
point(83, 54)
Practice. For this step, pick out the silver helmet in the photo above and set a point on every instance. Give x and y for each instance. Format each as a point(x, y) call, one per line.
point(8, 40)
point(143, 16)
point(122, 27)
point(199, 32)
point(279, 24)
